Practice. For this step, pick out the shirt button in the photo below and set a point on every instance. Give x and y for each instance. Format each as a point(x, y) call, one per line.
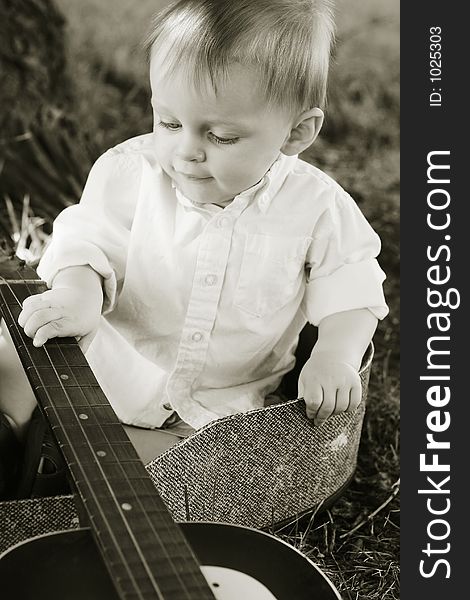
point(223, 222)
point(167, 406)
point(210, 280)
point(197, 337)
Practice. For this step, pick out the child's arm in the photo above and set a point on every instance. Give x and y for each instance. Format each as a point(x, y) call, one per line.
point(329, 381)
point(71, 308)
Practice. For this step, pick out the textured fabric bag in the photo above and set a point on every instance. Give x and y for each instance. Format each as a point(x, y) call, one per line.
point(258, 469)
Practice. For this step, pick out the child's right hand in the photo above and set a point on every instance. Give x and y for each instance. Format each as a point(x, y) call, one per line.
point(72, 308)
point(60, 312)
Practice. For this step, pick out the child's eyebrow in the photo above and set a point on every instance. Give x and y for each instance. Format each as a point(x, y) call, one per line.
point(228, 124)
point(242, 123)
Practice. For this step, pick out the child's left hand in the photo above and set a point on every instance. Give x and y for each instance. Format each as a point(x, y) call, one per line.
point(329, 386)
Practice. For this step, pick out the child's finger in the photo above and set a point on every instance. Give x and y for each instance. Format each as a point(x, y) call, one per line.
point(342, 400)
point(30, 306)
point(327, 407)
point(41, 317)
point(355, 397)
point(313, 399)
point(51, 330)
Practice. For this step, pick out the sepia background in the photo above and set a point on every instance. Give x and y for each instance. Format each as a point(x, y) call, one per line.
point(74, 82)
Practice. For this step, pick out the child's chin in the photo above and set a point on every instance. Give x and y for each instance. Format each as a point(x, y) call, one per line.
point(199, 197)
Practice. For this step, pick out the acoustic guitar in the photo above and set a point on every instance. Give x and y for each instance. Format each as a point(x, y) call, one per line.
point(130, 548)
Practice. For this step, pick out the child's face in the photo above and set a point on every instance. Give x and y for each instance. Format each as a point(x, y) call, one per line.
point(214, 146)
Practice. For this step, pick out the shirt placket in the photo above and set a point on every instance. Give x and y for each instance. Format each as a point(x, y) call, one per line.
point(208, 280)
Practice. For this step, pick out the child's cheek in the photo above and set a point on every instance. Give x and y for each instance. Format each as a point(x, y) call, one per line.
point(237, 171)
point(162, 153)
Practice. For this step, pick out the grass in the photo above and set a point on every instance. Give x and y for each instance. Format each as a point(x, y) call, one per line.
point(357, 542)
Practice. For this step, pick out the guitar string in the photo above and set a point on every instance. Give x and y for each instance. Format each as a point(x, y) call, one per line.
point(68, 439)
point(136, 496)
point(104, 476)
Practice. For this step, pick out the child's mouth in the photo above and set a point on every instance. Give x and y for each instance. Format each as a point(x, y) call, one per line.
point(195, 178)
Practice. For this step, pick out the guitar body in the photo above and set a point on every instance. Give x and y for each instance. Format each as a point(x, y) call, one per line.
point(237, 562)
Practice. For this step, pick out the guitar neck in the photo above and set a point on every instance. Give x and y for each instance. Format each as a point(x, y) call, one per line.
point(144, 550)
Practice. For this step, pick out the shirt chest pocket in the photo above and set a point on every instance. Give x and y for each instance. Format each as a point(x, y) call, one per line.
point(271, 272)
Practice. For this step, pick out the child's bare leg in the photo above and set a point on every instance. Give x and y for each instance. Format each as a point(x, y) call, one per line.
point(150, 443)
point(17, 400)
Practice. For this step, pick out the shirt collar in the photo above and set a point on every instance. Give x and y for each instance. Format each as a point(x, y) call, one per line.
point(264, 191)
point(211, 208)
point(272, 182)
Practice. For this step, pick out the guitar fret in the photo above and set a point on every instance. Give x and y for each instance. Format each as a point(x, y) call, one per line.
point(17, 292)
point(67, 354)
point(59, 356)
point(30, 355)
point(90, 453)
point(81, 430)
point(175, 549)
point(101, 503)
point(61, 376)
point(115, 470)
point(12, 307)
point(114, 478)
point(86, 397)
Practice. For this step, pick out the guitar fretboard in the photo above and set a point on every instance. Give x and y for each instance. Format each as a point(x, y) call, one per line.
point(144, 550)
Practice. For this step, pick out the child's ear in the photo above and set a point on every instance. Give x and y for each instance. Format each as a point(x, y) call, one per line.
point(304, 131)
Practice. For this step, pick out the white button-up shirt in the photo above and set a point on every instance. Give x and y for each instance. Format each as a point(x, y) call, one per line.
point(203, 304)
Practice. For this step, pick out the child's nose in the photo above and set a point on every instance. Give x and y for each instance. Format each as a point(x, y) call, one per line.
point(190, 149)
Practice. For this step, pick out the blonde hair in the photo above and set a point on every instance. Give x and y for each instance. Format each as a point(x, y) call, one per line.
point(287, 42)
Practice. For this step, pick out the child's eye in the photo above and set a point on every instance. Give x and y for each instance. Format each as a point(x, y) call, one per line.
point(221, 140)
point(170, 126)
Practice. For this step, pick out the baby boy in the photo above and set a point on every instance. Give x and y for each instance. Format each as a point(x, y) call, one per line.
point(199, 251)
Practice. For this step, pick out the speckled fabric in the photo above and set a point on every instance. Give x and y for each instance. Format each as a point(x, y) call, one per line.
point(255, 469)
point(262, 467)
point(25, 519)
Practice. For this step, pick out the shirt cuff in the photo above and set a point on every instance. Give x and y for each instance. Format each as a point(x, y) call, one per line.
point(351, 287)
point(75, 255)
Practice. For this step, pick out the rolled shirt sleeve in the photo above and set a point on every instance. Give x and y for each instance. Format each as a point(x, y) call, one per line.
point(96, 231)
point(342, 270)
